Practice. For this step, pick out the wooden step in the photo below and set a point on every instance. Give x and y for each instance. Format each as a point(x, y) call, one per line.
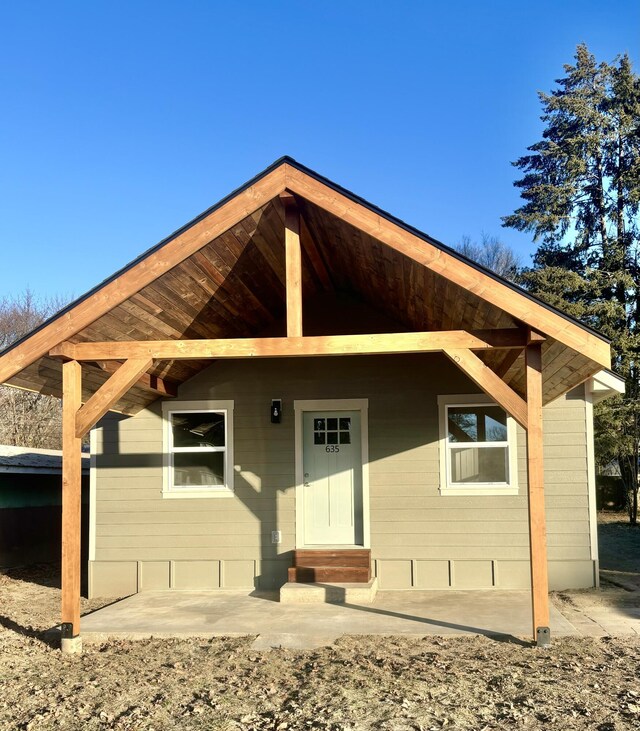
point(357, 557)
point(329, 574)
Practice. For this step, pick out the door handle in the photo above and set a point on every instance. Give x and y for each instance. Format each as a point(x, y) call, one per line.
point(306, 479)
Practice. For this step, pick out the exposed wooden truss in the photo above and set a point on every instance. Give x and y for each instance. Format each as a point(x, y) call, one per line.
point(224, 276)
point(469, 278)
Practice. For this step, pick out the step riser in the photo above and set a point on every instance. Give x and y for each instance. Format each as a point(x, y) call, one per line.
point(339, 574)
point(355, 559)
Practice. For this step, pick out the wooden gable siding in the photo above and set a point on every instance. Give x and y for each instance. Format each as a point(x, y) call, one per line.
point(391, 281)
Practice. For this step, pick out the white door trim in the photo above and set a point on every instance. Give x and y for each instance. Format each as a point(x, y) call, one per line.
point(361, 405)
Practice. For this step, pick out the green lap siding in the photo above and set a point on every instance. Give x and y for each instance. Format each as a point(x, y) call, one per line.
point(419, 538)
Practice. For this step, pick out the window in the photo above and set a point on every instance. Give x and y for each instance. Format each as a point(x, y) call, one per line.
point(477, 447)
point(198, 449)
point(332, 430)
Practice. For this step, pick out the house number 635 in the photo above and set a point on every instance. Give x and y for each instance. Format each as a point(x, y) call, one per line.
point(332, 448)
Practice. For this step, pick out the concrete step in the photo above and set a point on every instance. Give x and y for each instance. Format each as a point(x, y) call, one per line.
point(329, 593)
point(330, 574)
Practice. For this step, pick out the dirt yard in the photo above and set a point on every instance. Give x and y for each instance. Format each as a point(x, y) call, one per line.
point(365, 683)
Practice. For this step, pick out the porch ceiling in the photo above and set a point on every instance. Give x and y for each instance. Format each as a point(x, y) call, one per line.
point(234, 287)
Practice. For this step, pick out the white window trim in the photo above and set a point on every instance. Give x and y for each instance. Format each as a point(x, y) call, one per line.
point(481, 488)
point(218, 491)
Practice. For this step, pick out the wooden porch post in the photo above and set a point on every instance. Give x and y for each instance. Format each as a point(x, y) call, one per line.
point(71, 506)
point(535, 471)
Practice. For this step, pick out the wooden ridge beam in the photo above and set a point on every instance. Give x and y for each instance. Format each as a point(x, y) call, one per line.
point(109, 393)
point(411, 342)
point(142, 273)
point(469, 278)
point(490, 383)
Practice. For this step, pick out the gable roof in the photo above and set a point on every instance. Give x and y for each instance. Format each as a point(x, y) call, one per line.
point(222, 275)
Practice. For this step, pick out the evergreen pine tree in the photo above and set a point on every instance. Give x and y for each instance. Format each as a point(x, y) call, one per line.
point(581, 193)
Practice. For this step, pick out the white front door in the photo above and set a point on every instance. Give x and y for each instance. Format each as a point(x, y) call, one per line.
point(332, 478)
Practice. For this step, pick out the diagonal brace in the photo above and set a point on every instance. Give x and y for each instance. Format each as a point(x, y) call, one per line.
point(109, 393)
point(490, 383)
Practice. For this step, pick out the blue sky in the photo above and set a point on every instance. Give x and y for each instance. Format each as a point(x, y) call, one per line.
point(123, 120)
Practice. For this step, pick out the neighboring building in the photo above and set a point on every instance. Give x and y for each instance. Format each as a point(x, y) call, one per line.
point(30, 503)
point(304, 371)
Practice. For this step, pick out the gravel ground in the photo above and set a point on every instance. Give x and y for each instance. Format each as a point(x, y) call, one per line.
point(358, 683)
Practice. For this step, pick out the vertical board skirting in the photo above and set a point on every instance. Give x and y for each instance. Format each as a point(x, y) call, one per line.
point(172, 574)
point(452, 574)
point(139, 575)
point(413, 573)
point(494, 573)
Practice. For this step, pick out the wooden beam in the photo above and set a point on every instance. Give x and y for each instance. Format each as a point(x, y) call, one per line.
point(490, 383)
point(71, 499)
point(147, 381)
point(142, 273)
point(469, 278)
point(410, 342)
point(535, 472)
point(109, 393)
point(293, 256)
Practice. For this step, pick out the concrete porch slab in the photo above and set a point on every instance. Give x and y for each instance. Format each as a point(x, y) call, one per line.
point(221, 613)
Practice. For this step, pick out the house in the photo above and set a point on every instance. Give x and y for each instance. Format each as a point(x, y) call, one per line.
point(297, 370)
point(30, 505)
